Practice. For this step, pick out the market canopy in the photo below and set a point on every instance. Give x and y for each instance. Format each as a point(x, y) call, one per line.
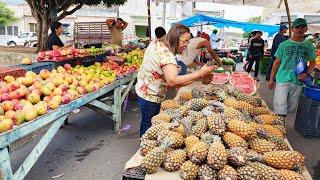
point(199, 20)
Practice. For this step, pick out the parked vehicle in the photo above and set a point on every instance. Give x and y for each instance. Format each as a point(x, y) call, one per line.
point(28, 39)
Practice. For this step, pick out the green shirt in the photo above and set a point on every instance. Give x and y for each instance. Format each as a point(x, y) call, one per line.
point(289, 53)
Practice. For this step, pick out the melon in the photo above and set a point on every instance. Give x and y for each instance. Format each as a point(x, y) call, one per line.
point(220, 78)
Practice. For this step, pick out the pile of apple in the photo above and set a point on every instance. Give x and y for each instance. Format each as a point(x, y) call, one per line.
point(25, 98)
point(95, 51)
point(65, 54)
point(134, 57)
point(119, 68)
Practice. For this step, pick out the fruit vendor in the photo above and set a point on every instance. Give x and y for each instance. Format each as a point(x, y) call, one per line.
point(116, 26)
point(54, 42)
point(288, 84)
point(159, 71)
point(193, 49)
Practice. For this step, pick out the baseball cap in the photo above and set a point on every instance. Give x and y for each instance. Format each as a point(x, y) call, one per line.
point(299, 22)
point(282, 27)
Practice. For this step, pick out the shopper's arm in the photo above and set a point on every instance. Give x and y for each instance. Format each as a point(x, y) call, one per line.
point(125, 25)
point(207, 45)
point(110, 22)
point(173, 80)
point(304, 76)
point(274, 71)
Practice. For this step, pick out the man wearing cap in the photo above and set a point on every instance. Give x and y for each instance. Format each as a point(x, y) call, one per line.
point(214, 40)
point(277, 40)
point(288, 85)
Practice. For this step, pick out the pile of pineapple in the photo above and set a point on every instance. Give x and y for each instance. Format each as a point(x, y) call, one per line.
point(217, 132)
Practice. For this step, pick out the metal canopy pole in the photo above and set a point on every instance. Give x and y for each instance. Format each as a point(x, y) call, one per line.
point(164, 13)
point(149, 20)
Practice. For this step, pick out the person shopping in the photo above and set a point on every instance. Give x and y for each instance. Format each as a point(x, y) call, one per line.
point(159, 71)
point(116, 26)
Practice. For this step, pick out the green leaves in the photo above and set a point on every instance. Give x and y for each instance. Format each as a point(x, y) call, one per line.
point(6, 15)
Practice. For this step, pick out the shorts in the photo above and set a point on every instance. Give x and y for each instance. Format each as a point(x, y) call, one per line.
point(183, 68)
point(286, 98)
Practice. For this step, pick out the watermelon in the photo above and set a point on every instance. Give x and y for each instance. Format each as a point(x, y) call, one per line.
point(243, 82)
point(220, 78)
point(219, 70)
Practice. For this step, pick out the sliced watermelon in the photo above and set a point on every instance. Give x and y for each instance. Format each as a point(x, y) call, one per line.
point(243, 82)
point(220, 78)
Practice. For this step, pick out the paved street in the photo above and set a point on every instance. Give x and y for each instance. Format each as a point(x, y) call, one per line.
point(89, 149)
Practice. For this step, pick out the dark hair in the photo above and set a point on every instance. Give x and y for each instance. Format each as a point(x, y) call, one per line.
point(160, 32)
point(120, 19)
point(55, 25)
point(171, 39)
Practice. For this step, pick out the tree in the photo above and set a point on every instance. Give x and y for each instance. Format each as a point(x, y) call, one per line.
point(255, 19)
point(246, 34)
point(6, 15)
point(47, 11)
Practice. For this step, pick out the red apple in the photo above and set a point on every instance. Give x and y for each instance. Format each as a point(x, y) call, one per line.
point(4, 97)
point(5, 89)
point(22, 92)
point(9, 114)
point(14, 95)
point(19, 117)
point(14, 85)
point(66, 98)
point(81, 90)
point(67, 66)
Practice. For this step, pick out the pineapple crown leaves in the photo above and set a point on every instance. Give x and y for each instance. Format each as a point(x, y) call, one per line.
point(166, 142)
point(187, 124)
point(210, 138)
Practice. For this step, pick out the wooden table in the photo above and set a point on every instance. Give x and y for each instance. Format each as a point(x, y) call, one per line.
point(161, 174)
point(55, 119)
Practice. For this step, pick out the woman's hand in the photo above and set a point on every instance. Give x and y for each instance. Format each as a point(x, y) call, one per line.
point(207, 69)
point(271, 84)
point(303, 76)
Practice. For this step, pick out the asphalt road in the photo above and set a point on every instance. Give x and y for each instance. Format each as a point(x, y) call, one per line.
point(88, 148)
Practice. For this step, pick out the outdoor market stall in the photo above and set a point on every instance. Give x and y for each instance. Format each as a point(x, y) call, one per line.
point(51, 96)
point(134, 167)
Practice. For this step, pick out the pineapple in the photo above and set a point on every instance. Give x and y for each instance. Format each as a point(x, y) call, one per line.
point(207, 173)
point(247, 173)
point(185, 97)
point(195, 116)
point(255, 125)
point(281, 128)
point(170, 104)
point(189, 141)
point(200, 127)
point(177, 138)
point(197, 93)
point(230, 102)
point(198, 152)
point(174, 160)
point(160, 118)
point(238, 156)
point(231, 113)
point(261, 146)
point(253, 100)
point(177, 127)
point(244, 106)
point(227, 173)
point(217, 155)
point(208, 111)
point(290, 175)
point(189, 170)
point(254, 156)
point(216, 124)
point(153, 160)
point(152, 132)
point(197, 104)
point(263, 111)
point(147, 145)
point(273, 131)
point(233, 140)
point(284, 159)
point(266, 119)
point(280, 144)
point(266, 172)
point(241, 129)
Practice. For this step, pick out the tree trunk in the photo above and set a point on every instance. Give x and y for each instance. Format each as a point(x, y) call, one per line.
point(42, 30)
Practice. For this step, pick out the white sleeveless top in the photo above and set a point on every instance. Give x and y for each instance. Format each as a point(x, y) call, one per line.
point(191, 52)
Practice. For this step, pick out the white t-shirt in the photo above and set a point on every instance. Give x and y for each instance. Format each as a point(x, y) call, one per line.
point(191, 52)
point(213, 41)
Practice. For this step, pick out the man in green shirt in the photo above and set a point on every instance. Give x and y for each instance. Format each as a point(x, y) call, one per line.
point(289, 86)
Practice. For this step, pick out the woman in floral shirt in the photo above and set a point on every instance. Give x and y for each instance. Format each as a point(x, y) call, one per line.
point(159, 71)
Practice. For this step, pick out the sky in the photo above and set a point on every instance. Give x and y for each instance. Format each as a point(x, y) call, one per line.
point(232, 12)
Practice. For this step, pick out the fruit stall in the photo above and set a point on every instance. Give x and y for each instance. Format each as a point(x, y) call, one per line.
point(32, 102)
point(222, 130)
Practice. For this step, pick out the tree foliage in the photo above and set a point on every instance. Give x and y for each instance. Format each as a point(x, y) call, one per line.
point(246, 34)
point(255, 19)
point(6, 15)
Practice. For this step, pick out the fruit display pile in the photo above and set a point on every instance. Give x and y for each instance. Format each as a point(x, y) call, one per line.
point(25, 98)
point(217, 132)
point(65, 54)
point(134, 57)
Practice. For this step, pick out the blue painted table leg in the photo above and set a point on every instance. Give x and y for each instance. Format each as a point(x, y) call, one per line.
point(5, 167)
point(38, 149)
point(117, 109)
